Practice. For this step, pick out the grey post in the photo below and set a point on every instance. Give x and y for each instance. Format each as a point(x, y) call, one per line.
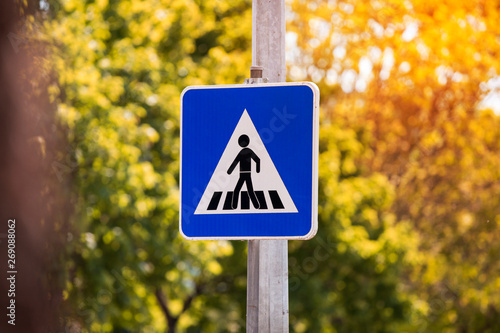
point(267, 267)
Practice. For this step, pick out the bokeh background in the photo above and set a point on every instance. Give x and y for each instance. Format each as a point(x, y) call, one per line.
point(409, 165)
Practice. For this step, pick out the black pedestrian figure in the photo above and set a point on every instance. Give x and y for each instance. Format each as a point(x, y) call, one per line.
point(244, 158)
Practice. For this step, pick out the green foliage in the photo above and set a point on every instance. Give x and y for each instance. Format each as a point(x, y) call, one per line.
point(347, 278)
point(414, 75)
point(121, 68)
point(409, 166)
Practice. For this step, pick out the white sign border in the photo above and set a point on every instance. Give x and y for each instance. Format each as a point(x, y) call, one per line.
point(315, 141)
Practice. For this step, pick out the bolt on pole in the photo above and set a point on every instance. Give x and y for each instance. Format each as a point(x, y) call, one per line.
point(267, 266)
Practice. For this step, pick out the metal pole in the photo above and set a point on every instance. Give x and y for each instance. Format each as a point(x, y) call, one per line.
point(267, 266)
point(268, 38)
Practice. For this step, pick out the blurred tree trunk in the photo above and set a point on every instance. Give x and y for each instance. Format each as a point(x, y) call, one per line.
point(29, 189)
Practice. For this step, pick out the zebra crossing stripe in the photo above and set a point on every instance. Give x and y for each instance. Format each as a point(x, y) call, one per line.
point(228, 201)
point(275, 199)
point(245, 200)
point(262, 199)
point(215, 201)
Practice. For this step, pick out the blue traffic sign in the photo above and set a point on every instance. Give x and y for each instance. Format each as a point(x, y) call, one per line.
point(249, 161)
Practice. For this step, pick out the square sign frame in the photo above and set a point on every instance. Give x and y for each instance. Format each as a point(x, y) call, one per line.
point(281, 124)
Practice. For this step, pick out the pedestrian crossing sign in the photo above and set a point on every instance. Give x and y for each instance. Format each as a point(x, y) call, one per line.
point(249, 161)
